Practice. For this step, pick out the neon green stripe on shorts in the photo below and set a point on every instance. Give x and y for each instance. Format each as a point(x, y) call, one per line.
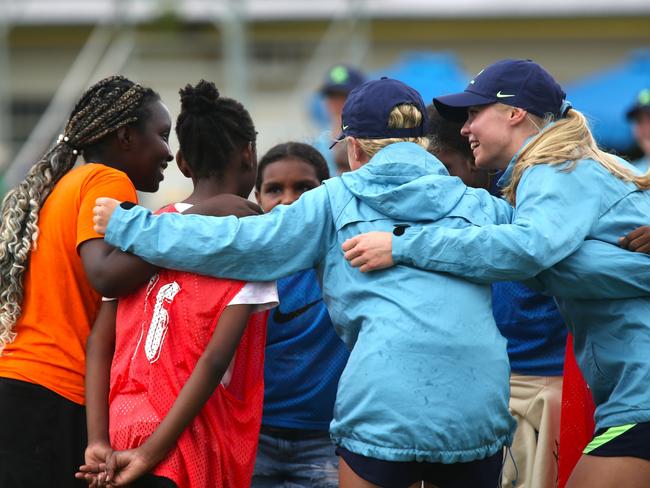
point(605, 437)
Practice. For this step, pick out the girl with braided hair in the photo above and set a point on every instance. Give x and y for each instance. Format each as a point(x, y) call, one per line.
point(53, 267)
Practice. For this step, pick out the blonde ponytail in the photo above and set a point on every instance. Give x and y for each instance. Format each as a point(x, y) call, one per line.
point(401, 117)
point(568, 140)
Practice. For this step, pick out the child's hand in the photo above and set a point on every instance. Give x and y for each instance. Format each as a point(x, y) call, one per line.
point(370, 252)
point(91, 474)
point(104, 208)
point(638, 240)
point(94, 469)
point(124, 467)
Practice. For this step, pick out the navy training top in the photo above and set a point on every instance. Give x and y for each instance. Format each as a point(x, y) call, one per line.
point(304, 357)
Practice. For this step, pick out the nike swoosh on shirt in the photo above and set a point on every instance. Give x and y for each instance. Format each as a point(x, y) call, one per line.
point(282, 318)
point(503, 95)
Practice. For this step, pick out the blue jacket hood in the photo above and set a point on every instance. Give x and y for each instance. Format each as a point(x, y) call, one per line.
point(394, 181)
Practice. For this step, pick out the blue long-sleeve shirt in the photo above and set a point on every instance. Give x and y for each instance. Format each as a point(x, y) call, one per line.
point(530, 322)
point(304, 357)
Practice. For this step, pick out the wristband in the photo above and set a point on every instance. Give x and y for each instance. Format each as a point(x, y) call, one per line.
point(126, 205)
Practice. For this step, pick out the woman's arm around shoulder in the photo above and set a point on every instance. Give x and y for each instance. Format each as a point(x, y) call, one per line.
point(266, 247)
point(115, 273)
point(554, 214)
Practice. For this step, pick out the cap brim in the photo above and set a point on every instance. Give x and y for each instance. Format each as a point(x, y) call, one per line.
point(635, 111)
point(337, 140)
point(454, 107)
point(335, 90)
point(630, 114)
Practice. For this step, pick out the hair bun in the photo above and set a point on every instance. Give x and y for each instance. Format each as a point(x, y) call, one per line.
point(199, 99)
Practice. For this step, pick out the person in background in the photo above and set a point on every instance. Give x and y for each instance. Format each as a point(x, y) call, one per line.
point(339, 81)
point(639, 239)
point(340, 155)
point(639, 115)
point(535, 332)
point(304, 356)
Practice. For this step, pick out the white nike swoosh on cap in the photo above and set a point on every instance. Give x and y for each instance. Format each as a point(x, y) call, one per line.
point(503, 95)
point(345, 127)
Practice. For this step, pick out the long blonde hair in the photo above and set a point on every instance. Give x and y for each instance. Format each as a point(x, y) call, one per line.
point(111, 103)
point(568, 140)
point(401, 117)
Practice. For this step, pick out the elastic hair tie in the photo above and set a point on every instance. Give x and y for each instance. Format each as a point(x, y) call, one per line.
point(564, 108)
point(63, 139)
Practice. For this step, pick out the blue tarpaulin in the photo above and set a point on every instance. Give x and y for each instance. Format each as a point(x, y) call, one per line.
point(605, 97)
point(431, 73)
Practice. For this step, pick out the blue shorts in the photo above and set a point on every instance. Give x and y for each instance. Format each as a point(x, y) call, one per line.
point(484, 473)
point(631, 440)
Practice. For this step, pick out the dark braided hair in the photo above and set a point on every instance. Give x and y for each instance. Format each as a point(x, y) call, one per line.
point(110, 104)
point(445, 134)
point(293, 150)
point(210, 128)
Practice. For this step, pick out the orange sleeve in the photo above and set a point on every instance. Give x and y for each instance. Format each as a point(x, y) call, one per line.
point(104, 182)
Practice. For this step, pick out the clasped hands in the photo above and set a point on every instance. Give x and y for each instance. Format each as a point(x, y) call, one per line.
point(104, 467)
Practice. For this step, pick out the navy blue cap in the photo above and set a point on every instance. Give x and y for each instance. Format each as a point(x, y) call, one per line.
point(367, 110)
point(519, 83)
point(341, 79)
point(641, 103)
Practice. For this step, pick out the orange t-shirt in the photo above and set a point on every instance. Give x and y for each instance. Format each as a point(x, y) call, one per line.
point(59, 304)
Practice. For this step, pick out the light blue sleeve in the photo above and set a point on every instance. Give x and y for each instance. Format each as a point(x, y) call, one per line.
point(597, 270)
point(260, 248)
point(497, 210)
point(555, 212)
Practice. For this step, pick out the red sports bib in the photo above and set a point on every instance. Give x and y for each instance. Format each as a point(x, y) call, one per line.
point(162, 330)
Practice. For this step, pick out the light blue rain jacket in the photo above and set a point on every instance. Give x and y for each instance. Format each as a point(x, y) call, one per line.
point(428, 374)
point(642, 165)
point(604, 293)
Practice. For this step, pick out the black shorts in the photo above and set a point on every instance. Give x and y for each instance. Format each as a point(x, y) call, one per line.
point(485, 473)
point(42, 439)
point(631, 440)
point(151, 481)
